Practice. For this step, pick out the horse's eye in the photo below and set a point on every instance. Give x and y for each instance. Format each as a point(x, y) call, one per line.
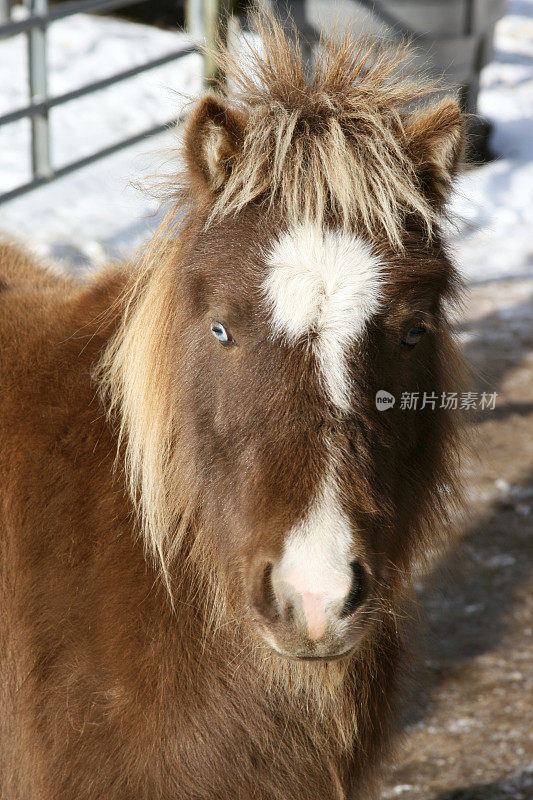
point(222, 334)
point(413, 335)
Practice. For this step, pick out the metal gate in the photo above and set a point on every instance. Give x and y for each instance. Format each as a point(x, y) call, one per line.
point(205, 16)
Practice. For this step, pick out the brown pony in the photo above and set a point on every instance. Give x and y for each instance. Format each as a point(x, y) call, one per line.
point(215, 612)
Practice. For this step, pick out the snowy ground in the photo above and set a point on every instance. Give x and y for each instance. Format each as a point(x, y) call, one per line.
point(95, 214)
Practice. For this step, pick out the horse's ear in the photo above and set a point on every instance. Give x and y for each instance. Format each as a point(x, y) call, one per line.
point(213, 137)
point(436, 146)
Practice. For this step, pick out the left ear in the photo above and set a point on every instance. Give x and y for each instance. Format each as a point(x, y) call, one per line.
point(436, 145)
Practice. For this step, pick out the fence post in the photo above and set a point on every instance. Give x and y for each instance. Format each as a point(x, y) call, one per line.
point(208, 20)
point(38, 85)
point(5, 10)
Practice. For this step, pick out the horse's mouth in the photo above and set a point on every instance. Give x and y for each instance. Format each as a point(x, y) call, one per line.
point(334, 657)
point(308, 657)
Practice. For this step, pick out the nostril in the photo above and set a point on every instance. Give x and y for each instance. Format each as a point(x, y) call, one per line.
point(265, 598)
point(357, 590)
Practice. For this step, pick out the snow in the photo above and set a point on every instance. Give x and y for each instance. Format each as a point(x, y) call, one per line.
point(96, 213)
point(495, 202)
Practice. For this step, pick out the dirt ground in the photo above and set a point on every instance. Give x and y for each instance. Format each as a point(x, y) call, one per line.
point(468, 724)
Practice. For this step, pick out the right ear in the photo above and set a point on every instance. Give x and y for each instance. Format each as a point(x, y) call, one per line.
point(436, 146)
point(213, 137)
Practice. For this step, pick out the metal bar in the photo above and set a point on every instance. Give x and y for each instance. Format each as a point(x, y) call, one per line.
point(194, 21)
point(59, 12)
point(5, 10)
point(38, 80)
point(216, 14)
point(42, 106)
point(83, 162)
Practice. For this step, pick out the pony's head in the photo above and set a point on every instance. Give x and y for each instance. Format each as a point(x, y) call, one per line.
point(308, 275)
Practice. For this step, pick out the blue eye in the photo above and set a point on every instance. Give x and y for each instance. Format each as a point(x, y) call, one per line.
point(219, 332)
point(413, 335)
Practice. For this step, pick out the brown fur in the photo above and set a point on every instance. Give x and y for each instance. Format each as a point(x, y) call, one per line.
point(121, 685)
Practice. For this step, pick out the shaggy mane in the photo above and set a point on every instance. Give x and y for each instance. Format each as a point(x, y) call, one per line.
point(331, 145)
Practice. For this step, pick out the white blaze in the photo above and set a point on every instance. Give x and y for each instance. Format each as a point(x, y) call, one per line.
point(315, 564)
point(326, 283)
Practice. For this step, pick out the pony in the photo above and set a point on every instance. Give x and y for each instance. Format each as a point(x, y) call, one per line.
point(209, 526)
